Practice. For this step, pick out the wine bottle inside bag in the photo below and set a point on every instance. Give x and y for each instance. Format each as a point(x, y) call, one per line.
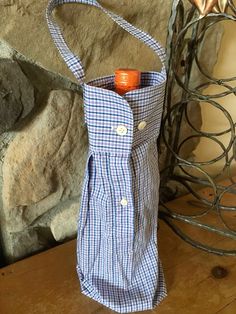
point(127, 80)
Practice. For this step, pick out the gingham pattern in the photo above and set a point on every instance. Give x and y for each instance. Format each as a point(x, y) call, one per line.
point(73, 61)
point(117, 249)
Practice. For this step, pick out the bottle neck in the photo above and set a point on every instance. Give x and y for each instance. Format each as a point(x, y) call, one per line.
point(127, 80)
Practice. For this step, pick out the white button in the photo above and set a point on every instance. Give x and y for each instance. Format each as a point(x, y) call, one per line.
point(130, 253)
point(121, 130)
point(124, 202)
point(142, 125)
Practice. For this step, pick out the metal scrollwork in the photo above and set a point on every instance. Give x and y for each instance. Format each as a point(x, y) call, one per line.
point(214, 211)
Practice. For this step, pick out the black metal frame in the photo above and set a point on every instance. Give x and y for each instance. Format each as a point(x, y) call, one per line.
point(186, 33)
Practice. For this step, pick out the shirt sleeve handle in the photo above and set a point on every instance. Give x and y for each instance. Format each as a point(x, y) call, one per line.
point(73, 61)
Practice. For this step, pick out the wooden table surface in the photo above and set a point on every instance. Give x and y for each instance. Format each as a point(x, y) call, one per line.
point(48, 283)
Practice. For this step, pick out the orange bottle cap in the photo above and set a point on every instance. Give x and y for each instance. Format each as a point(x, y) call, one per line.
point(127, 77)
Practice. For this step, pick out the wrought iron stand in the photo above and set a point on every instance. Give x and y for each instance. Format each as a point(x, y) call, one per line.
point(212, 213)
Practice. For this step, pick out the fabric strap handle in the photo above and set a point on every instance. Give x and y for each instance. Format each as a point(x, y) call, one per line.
point(73, 62)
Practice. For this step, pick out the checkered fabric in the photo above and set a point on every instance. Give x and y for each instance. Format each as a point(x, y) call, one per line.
point(117, 246)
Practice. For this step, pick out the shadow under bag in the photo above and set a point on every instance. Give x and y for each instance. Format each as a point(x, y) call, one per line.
point(117, 250)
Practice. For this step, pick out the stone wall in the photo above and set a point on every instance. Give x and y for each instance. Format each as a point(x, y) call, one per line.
point(43, 153)
point(44, 142)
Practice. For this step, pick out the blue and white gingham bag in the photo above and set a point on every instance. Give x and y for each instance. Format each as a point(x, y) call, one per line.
point(117, 251)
